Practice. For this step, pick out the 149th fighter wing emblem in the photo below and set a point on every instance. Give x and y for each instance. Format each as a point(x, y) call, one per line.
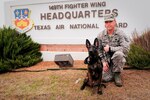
point(22, 21)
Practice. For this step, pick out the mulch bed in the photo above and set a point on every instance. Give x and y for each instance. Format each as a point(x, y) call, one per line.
point(51, 65)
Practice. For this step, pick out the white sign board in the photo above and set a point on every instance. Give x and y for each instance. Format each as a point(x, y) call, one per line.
point(65, 22)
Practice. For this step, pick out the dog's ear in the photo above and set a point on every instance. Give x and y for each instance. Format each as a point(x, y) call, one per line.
point(88, 44)
point(96, 42)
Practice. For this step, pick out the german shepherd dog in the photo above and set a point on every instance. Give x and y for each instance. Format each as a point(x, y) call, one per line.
point(95, 67)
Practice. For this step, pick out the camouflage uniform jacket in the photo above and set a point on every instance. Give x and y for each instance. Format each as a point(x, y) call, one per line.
point(117, 42)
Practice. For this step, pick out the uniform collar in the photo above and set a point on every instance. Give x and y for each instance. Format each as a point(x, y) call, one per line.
point(115, 32)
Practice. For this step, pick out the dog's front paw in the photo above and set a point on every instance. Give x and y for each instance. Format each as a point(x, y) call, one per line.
point(99, 92)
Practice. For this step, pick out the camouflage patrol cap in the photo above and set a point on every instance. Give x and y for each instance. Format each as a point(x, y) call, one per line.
point(109, 17)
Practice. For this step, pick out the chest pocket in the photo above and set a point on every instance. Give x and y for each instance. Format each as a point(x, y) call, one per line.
point(115, 41)
point(105, 41)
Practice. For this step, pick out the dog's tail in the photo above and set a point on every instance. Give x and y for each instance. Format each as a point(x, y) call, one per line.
point(86, 61)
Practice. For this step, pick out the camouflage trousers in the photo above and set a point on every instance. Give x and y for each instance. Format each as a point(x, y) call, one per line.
point(116, 62)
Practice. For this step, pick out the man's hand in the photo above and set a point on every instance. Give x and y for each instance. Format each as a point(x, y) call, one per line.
point(105, 66)
point(106, 48)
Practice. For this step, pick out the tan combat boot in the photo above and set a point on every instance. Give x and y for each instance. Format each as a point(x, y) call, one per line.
point(118, 81)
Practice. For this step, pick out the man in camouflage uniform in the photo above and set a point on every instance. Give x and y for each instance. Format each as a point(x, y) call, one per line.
point(115, 48)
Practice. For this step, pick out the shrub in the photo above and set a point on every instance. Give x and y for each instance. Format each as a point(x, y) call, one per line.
point(143, 40)
point(17, 50)
point(139, 54)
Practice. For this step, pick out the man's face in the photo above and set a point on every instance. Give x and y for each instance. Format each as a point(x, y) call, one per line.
point(110, 25)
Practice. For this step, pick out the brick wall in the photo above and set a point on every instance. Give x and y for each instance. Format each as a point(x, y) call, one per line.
point(64, 47)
